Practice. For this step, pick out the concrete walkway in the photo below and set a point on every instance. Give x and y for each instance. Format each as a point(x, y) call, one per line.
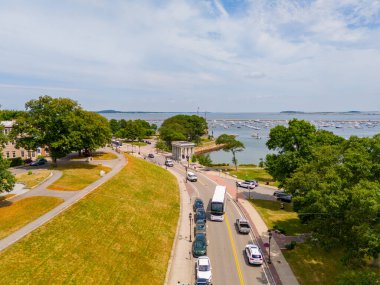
point(69, 201)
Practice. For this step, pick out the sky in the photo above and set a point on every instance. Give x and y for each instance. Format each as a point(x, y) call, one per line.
point(181, 55)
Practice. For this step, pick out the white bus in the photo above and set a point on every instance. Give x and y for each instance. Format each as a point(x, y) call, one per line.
point(218, 204)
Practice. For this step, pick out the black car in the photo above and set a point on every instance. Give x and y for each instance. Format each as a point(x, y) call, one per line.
point(284, 197)
point(198, 204)
point(40, 161)
point(200, 215)
point(200, 245)
point(151, 155)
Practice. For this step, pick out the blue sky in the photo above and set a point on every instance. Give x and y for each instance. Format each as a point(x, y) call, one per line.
point(218, 55)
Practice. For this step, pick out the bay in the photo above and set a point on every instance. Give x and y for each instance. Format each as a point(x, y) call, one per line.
point(253, 128)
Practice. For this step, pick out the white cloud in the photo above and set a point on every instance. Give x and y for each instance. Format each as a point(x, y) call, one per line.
point(192, 50)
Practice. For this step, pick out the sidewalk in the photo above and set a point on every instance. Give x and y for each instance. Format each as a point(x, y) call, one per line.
point(280, 269)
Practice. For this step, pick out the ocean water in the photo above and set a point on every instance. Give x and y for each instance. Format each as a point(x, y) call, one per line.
point(253, 128)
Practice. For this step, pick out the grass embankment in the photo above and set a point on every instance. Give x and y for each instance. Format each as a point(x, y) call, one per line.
point(253, 173)
point(311, 264)
point(18, 214)
point(32, 178)
point(285, 218)
point(137, 143)
point(122, 233)
point(77, 176)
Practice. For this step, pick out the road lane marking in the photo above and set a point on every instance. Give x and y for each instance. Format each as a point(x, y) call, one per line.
point(234, 251)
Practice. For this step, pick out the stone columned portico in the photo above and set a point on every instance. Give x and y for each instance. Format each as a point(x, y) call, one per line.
point(182, 149)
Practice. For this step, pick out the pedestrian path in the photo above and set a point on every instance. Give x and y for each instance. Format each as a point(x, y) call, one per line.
point(69, 201)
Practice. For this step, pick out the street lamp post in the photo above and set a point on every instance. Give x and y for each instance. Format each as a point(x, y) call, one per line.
point(190, 215)
point(249, 193)
point(186, 174)
point(187, 158)
point(270, 237)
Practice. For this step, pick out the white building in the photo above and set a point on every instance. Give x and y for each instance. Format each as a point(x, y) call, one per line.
point(182, 150)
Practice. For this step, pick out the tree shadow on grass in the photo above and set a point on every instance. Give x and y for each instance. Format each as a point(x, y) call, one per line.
point(5, 203)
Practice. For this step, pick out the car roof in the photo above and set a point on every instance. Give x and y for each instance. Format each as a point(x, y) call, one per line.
point(243, 220)
point(203, 260)
point(190, 173)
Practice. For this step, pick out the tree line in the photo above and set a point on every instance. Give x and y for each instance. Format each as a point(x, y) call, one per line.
point(335, 185)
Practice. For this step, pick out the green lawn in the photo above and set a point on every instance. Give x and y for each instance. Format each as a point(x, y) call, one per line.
point(100, 155)
point(32, 178)
point(285, 218)
point(77, 176)
point(137, 143)
point(18, 214)
point(122, 233)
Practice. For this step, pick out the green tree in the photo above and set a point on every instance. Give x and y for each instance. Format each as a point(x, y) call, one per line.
point(7, 179)
point(293, 147)
point(231, 145)
point(183, 128)
point(90, 131)
point(7, 115)
point(355, 277)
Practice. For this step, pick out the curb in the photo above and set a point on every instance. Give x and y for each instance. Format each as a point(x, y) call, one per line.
point(50, 175)
point(175, 242)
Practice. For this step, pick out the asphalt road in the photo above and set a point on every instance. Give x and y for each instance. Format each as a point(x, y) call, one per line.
point(226, 245)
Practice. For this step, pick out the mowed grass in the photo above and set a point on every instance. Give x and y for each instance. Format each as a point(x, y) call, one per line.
point(122, 233)
point(77, 176)
point(285, 218)
point(18, 214)
point(33, 179)
point(100, 155)
point(313, 265)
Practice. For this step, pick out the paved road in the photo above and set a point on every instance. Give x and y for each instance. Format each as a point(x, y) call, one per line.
point(226, 246)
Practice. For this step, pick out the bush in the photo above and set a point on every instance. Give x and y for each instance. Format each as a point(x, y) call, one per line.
point(204, 160)
point(291, 245)
point(248, 165)
point(279, 229)
point(17, 161)
point(358, 278)
point(220, 164)
point(30, 172)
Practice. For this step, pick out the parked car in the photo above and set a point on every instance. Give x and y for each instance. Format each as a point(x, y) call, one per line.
point(151, 155)
point(200, 227)
point(169, 163)
point(28, 161)
point(254, 182)
point(191, 177)
point(148, 142)
point(245, 184)
point(40, 161)
point(285, 198)
point(200, 214)
point(200, 245)
point(198, 203)
point(203, 268)
point(243, 226)
point(254, 255)
point(278, 192)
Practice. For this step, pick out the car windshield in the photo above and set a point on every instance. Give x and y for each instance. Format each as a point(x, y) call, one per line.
point(199, 244)
point(217, 207)
point(200, 226)
point(256, 255)
point(204, 268)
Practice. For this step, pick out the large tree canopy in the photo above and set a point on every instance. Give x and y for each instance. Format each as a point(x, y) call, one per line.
point(340, 189)
point(61, 125)
point(132, 129)
point(183, 128)
point(293, 147)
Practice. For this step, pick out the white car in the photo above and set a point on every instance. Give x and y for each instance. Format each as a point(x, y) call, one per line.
point(245, 184)
point(253, 254)
point(203, 268)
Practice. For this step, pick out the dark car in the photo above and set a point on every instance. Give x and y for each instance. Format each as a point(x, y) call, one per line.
point(200, 228)
point(151, 155)
point(200, 245)
point(200, 214)
point(284, 198)
point(198, 204)
point(279, 193)
point(40, 161)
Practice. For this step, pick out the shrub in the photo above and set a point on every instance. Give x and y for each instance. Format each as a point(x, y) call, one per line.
point(279, 229)
point(358, 278)
point(30, 172)
point(17, 161)
point(291, 245)
point(248, 164)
